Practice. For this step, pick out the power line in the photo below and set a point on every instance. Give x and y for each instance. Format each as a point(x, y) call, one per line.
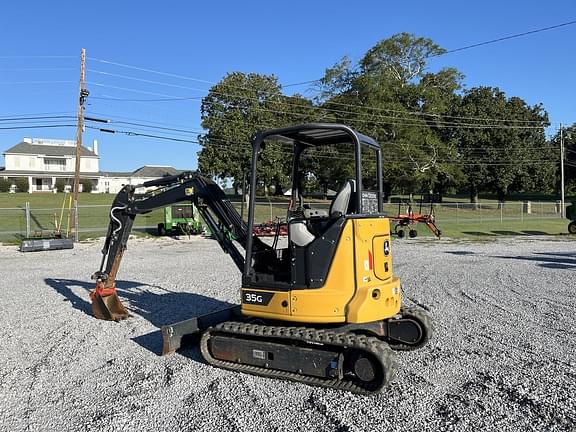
point(34, 69)
point(153, 127)
point(35, 114)
point(150, 70)
point(3, 119)
point(37, 127)
point(34, 82)
point(37, 57)
point(131, 133)
point(105, 115)
point(148, 100)
point(145, 80)
point(406, 112)
point(378, 120)
point(517, 35)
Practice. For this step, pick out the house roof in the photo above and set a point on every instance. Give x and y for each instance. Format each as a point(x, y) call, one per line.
point(115, 174)
point(155, 171)
point(48, 150)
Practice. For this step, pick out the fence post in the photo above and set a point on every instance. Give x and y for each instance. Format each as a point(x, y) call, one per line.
point(76, 235)
point(457, 213)
point(501, 212)
point(270, 203)
point(27, 214)
point(479, 213)
point(522, 212)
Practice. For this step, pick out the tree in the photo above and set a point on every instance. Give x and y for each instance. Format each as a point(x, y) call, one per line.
point(390, 96)
point(569, 138)
point(233, 111)
point(503, 149)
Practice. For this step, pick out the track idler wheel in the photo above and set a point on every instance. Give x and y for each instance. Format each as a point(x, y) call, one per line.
point(411, 331)
point(106, 305)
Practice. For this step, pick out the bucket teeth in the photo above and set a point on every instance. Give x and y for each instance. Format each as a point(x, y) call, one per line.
point(108, 307)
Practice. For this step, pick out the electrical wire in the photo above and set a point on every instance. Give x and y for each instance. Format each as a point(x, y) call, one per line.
point(407, 112)
point(34, 69)
point(145, 80)
point(34, 82)
point(36, 127)
point(149, 125)
point(377, 121)
point(517, 35)
point(3, 119)
point(37, 57)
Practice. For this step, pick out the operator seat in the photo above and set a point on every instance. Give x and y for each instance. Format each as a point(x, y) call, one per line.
point(301, 236)
point(342, 204)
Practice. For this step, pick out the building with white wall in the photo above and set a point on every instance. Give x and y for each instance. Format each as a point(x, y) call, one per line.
point(112, 182)
point(42, 162)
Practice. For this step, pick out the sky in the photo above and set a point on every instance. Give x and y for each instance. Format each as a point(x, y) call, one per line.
point(143, 51)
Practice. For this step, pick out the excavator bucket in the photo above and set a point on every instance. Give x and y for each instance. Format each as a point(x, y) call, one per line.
point(106, 305)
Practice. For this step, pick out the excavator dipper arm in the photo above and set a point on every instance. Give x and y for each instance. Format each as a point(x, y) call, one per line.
point(219, 214)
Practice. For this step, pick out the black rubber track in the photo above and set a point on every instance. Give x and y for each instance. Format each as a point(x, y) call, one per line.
point(329, 339)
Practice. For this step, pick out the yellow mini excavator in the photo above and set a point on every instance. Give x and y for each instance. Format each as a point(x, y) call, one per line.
point(325, 308)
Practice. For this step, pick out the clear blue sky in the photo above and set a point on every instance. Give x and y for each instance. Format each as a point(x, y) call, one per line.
point(295, 40)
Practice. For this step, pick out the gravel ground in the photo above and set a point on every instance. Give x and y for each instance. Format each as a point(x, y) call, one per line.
point(503, 356)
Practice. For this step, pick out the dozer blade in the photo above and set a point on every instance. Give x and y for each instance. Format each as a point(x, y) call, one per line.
point(108, 307)
point(188, 332)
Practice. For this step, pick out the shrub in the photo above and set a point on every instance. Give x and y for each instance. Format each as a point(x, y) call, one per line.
point(5, 185)
point(86, 185)
point(21, 184)
point(60, 184)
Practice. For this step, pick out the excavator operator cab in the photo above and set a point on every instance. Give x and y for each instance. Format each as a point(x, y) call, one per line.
point(325, 156)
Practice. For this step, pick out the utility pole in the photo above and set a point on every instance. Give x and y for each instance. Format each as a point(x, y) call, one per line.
point(81, 99)
point(562, 210)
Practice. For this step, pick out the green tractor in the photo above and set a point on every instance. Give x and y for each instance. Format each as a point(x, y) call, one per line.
point(571, 214)
point(182, 218)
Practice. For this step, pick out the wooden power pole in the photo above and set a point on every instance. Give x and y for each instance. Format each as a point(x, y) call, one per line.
point(80, 127)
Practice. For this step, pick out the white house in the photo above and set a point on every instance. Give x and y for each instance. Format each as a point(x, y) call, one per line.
point(112, 182)
point(42, 161)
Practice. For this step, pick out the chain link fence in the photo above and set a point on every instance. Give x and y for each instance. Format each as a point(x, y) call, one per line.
point(27, 221)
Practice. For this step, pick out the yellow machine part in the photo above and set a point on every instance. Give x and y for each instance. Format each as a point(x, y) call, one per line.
point(360, 286)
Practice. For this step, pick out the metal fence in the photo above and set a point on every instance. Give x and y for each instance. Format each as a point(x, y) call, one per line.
point(20, 222)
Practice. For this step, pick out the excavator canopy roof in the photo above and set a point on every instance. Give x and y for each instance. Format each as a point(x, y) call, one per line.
point(317, 134)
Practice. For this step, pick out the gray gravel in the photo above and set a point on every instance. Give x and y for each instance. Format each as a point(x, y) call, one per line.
point(503, 356)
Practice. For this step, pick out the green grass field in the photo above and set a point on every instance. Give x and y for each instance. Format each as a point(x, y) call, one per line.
point(455, 219)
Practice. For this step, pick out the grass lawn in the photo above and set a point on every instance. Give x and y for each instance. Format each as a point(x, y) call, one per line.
point(455, 221)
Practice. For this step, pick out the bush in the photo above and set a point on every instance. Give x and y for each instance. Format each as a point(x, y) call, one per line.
point(21, 184)
point(60, 184)
point(86, 185)
point(5, 185)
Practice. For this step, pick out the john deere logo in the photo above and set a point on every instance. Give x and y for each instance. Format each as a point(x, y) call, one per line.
point(386, 248)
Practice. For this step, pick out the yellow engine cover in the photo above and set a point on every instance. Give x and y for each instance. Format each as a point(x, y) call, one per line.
point(360, 286)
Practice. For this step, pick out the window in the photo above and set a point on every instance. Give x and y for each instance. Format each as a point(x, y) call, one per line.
point(55, 164)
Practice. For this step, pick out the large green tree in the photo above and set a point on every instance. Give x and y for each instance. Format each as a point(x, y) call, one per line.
point(390, 95)
point(233, 111)
point(569, 139)
point(501, 144)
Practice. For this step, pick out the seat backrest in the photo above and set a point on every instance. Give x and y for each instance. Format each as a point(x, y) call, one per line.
point(341, 203)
